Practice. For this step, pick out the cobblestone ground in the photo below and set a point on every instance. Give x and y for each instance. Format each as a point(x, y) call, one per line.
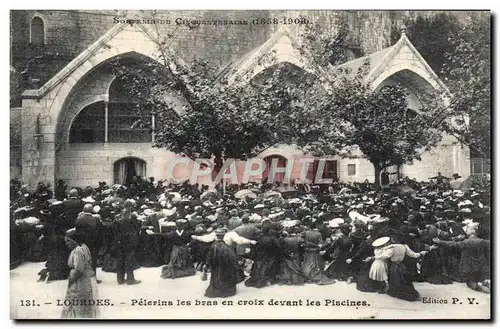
point(23, 286)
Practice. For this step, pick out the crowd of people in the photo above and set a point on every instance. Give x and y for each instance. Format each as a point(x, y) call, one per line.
point(381, 240)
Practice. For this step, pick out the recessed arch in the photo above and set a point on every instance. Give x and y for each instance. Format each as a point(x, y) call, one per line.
point(418, 87)
point(421, 74)
point(285, 68)
point(68, 112)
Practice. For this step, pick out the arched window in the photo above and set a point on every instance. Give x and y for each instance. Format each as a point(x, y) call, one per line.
point(125, 124)
point(89, 125)
point(37, 36)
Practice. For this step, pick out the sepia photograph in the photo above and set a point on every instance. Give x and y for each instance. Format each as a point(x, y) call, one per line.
point(250, 164)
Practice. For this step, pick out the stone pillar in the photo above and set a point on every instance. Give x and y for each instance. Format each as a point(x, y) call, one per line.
point(38, 153)
point(461, 161)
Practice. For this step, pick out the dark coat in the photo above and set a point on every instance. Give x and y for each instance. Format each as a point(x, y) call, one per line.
point(474, 257)
point(72, 207)
point(89, 228)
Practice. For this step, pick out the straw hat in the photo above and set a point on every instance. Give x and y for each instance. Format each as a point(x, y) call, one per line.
point(381, 241)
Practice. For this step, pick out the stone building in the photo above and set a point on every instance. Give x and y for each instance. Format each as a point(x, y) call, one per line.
point(69, 120)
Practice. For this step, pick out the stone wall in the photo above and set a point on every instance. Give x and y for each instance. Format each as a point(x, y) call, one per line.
point(70, 32)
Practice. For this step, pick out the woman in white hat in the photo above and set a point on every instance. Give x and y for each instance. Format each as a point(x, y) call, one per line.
point(378, 269)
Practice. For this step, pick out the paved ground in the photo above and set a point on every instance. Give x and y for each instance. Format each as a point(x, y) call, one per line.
point(23, 286)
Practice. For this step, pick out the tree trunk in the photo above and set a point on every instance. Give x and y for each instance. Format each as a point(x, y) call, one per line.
point(218, 162)
point(378, 170)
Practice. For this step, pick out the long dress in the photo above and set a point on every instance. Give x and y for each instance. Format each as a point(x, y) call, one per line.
point(148, 251)
point(361, 269)
point(339, 253)
point(313, 264)
point(56, 266)
point(57, 259)
point(84, 288)
point(180, 264)
point(400, 284)
point(378, 269)
point(291, 270)
point(224, 270)
point(266, 263)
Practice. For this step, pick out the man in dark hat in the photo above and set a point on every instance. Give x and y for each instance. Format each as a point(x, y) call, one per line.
point(72, 207)
point(126, 239)
point(89, 228)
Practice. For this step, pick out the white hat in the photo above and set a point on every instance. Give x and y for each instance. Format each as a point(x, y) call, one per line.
point(96, 209)
point(88, 200)
point(289, 223)
point(148, 212)
point(259, 206)
point(168, 224)
point(334, 223)
point(465, 203)
point(381, 241)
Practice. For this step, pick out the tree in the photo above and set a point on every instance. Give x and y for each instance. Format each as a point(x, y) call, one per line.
point(378, 123)
point(468, 77)
point(432, 35)
point(199, 113)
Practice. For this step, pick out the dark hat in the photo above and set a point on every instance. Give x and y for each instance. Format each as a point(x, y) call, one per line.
point(358, 235)
point(220, 231)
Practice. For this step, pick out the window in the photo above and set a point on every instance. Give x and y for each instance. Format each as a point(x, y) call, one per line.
point(351, 169)
point(329, 171)
point(126, 125)
point(89, 125)
point(479, 166)
point(37, 32)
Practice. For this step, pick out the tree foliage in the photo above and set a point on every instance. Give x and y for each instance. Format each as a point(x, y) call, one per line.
point(378, 123)
point(199, 113)
point(458, 49)
point(468, 76)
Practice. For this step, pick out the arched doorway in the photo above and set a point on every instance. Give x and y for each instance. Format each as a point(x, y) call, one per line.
point(279, 176)
point(127, 168)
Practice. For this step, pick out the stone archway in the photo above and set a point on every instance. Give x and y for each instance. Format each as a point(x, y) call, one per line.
point(278, 161)
point(125, 169)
